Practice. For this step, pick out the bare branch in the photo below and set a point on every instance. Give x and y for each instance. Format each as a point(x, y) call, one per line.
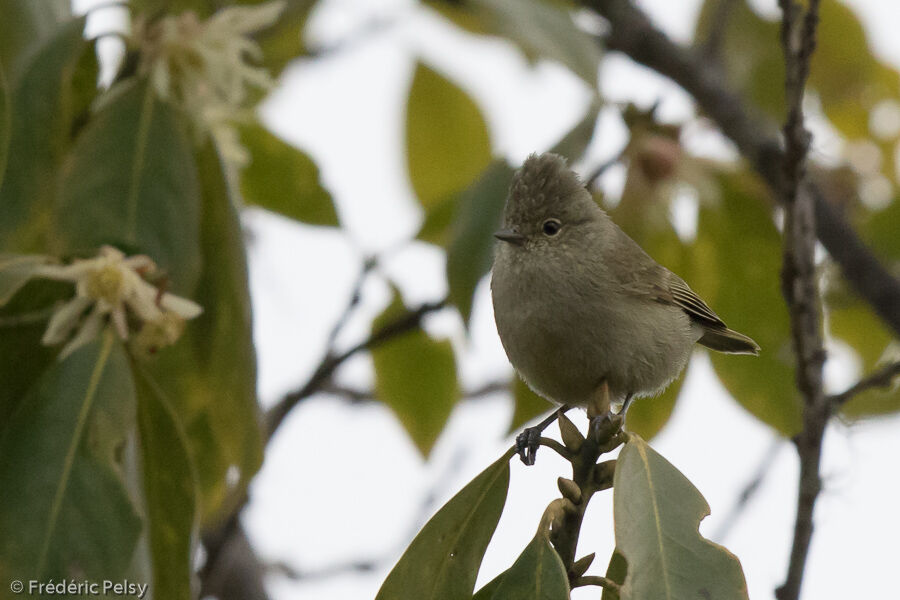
point(632, 33)
point(881, 378)
point(402, 324)
point(799, 284)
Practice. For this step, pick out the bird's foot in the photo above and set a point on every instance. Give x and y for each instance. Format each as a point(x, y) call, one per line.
point(527, 444)
point(606, 430)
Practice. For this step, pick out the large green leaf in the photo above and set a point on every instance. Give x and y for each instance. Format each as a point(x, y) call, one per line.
point(538, 574)
point(4, 121)
point(131, 181)
point(25, 25)
point(44, 103)
point(447, 140)
point(283, 179)
point(657, 512)
point(23, 358)
point(65, 507)
point(541, 29)
point(471, 249)
point(415, 376)
point(210, 374)
point(169, 493)
point(442, 561)
point(737, 266)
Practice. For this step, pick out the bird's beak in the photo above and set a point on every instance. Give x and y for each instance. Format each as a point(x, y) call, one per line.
point(511, 236)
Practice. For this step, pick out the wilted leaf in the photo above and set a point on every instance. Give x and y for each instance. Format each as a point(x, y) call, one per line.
point(210, 374)
point(415, 376)
point(131, 181)
point(169, 493)
point(471, 249)
point(447, 141)
point(527, 404)
point(283, 179)
point(657, 512)
point(442, 561)
point(43, 105)
point(615, 571)
point(65, 506)
point(538, 574)
point(541, 29)
point(737, 266)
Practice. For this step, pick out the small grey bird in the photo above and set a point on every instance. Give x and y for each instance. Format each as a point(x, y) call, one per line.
point(578, 304)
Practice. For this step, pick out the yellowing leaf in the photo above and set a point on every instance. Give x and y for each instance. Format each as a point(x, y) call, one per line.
point(415, 376)
point(657, 512)
point(447, 141)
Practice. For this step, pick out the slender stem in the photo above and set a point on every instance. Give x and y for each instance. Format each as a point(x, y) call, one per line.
point(882, 378)
point(603, 582)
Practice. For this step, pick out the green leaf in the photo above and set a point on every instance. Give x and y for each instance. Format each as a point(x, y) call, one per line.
point(852, 321)
point(657, 512)
point(283, 179)
point(210, 374)
point(615, 571)
point(573, 144)
point(131, 181)
point(43, 105)
point(538, 574)
point(169, 493)
point(541, 29)
point(23, 358)
point(15, 271)
point(415, 376)
point(527, 404)
point(26, 25)
point(4, 121)
point(447, 140)
point(478, 216)
point(284, 41)
point(65, 506)
point(744, 289)
point(487, 590)
point(442, 561)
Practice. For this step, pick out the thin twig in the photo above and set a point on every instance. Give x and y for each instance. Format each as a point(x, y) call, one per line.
point(749, 490)
point(600, 169)
point(402, 324)
point(359, 396)
point(882, 378)
point(799, 284)
point(597, 580)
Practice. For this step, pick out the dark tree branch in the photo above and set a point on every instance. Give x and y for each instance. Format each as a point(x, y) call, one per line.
point(799, 282)
point(404, 323)
point(881, 378)
point(632, 33)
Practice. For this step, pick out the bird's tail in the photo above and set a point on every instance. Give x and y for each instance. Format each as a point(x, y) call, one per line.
point(728, 341)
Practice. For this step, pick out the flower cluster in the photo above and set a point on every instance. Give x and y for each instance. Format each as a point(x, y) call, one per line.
point(206, 67)
point(112, 287)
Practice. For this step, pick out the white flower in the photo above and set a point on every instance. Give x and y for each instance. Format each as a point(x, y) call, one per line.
point(205, 67)
point(111, 285)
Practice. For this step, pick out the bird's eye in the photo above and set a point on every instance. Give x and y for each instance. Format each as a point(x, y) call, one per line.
point(551, 227)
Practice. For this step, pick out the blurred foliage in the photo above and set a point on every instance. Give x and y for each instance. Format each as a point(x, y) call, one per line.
point(415, 376)
point(109, 449)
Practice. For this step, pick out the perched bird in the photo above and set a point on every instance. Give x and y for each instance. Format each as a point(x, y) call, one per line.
point(580, 307)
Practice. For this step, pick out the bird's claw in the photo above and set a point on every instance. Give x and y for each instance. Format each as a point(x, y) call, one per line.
point(527, 444)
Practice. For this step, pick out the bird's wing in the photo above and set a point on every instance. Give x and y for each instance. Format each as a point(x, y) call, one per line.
point(686, 299)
